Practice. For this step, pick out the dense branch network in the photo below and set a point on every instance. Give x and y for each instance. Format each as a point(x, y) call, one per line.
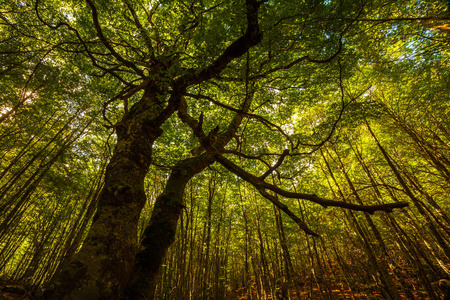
point(212, 141)
point(208, 144)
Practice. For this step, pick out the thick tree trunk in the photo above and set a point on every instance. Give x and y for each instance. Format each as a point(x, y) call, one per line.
point(101, 268)
point(160, 233)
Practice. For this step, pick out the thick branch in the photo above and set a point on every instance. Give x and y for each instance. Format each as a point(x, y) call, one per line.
point(259, 184)
point(276, 165)
point(186, 118)
point(236, 49)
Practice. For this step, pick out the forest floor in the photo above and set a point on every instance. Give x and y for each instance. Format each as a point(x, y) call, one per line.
point(241, 294)
point(305, 293)
point(308, 289)
point(16, 291)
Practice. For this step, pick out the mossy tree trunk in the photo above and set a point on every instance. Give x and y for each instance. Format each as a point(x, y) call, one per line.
point(160, 233)
point(101, 269)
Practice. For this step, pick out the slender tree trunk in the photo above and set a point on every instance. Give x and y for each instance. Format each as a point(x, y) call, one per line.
point(380, 265)
point(388, 219)
point(205, 274)
point(221, 250)
point(247, 248)
point(286, 256)
point(430, 152)
point(437, 213)
point(445, 247)
point(78, 229)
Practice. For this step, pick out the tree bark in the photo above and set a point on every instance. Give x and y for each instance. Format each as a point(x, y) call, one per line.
point(101, 269)
point(160, 233)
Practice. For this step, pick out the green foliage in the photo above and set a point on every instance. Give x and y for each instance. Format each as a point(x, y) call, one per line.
point(322, 72)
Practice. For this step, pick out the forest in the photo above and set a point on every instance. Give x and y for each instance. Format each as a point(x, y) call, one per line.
point(224, 149)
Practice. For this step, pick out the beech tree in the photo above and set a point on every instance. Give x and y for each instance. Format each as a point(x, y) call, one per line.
point(225, 81)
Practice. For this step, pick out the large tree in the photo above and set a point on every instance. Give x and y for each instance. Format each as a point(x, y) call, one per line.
point(233, 76)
